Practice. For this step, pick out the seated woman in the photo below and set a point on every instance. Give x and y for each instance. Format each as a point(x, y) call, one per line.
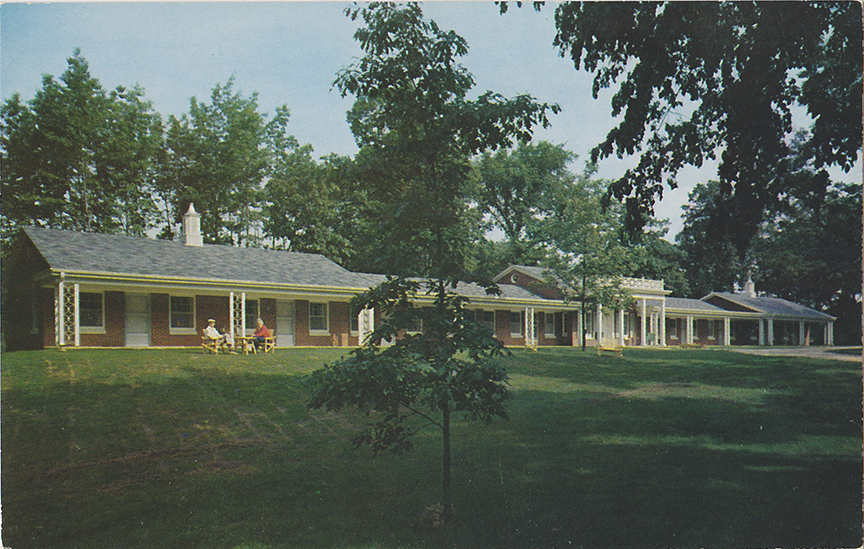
point(260, 334)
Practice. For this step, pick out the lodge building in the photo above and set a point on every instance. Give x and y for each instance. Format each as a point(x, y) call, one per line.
point(75, 289)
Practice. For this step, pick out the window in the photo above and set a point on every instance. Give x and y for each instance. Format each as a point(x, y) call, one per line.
point(711, 331)
point(549, 327)
point(318, 322)
point(487, 318)
point(252, 314)
point(515, 324)
point(90, 313)
point(355, 323)
point(672, 327)
point(182, 314)
point(589, 324)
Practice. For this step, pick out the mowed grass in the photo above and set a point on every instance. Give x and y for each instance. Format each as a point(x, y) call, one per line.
point(660, 448)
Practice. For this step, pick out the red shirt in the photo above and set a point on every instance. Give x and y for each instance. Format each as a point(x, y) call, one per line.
point(262, 331)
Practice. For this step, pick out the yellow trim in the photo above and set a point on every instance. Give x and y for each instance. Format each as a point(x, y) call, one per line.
point(226, 285)
point(97, 276)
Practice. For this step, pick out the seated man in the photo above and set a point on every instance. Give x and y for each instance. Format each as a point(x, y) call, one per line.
point(260, 334)
point(211, 332)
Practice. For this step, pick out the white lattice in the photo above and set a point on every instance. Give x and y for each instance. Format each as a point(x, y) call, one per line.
point(238, 312)
point(66, 314)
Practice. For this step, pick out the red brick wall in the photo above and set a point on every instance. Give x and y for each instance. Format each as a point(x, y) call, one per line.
point(340, 325)
point(115, 323)
point(207, 307)
point(159, 333)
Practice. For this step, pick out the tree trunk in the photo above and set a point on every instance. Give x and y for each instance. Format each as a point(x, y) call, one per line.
point(447, 502)
point(584, 328)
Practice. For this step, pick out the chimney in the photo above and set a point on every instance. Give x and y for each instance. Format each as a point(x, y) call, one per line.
point(749, 287)
point(192, 227)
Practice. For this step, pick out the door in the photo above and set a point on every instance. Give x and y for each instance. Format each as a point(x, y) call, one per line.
point(137, 320)
point(284, 323)
point(609, 334)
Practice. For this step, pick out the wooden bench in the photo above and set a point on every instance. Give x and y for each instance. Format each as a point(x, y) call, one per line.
point(616, 350)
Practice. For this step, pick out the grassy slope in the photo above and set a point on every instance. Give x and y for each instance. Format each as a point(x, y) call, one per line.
point(674, 448)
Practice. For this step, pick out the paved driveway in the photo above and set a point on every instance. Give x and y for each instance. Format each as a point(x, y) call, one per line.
point(829, 353)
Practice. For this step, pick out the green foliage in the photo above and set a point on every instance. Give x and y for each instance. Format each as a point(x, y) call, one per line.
point(75, 157)
point(811, 254)
point(417, 130)
point(517, 188)
point(712, 259)
point(657, 259)
point(313, 207)
point(696, 79)
point(418, 378)
point(218, 156)
point(585, 256)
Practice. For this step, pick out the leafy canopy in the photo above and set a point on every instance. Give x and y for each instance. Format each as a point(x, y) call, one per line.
point(698, 79)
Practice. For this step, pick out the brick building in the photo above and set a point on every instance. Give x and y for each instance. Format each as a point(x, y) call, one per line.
point(65, 288)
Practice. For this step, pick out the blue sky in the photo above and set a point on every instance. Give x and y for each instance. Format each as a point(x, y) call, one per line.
point(289, 53)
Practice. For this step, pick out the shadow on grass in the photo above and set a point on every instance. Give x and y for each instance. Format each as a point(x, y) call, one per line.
point(222, 455)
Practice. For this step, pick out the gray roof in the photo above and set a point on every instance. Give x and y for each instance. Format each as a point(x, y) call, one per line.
point(124, 255)
point(774, 306)
point(691, 305)
point(466, 289)
point(91, 252)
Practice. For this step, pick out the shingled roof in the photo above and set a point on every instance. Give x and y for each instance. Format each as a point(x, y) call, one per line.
point(773, 306)
point(123, 255)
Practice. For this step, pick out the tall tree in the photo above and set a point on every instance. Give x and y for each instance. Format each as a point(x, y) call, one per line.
point(310, 206)
point(658, 259)
point(811, 254)
point(417, 130)
point(218, 157)
point(712, 261)
point(76, 157)
point(516, 189)
point(698, 79)
point(585, 256)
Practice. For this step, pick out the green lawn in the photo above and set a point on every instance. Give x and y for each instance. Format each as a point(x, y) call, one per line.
point(671, 448)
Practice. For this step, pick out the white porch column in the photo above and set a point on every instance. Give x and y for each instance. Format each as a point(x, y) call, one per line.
point(727, 331)
point(60, 335)
point(770, 331)
point(801, 334)
point(688, 330)
point(530, 327)
point(621, 329)
point(761, 331)
point(579, 328)
point(599, 324)
point(830, 328)
point(644, 341)
point(662, 321)
point(366, 324)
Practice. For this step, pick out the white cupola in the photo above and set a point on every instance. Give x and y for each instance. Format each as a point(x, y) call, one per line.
point(192, 227)
point(749, 287)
